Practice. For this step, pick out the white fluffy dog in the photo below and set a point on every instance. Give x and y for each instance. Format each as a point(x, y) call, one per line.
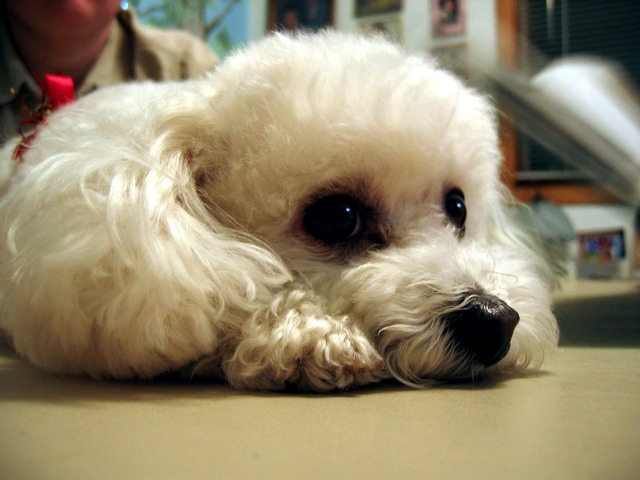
point(324, 211)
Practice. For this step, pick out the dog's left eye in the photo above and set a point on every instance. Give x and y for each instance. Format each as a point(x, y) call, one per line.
point(455, 209)
point(334, 219)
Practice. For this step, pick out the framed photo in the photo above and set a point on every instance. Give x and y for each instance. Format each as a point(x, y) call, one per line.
point(448, 17)
point(390, 28)
point(599, 253)
point(376, 7)
point(291, 15)
point(452, 57)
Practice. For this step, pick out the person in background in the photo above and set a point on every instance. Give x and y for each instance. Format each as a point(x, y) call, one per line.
point(95, 42)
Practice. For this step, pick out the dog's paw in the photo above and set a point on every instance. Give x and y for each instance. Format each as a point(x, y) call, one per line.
point(310, 353)
point(339, 362)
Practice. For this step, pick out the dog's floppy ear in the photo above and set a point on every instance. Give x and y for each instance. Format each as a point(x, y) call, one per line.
point(195, 138)
point(125, 272)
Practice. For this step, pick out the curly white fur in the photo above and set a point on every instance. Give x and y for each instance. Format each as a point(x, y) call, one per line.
point(157, 227)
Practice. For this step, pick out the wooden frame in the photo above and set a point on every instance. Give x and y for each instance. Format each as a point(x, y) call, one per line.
point(448, 17)
point(556, 191)
point(387, 26)
point(279, 20)
point(365, 8)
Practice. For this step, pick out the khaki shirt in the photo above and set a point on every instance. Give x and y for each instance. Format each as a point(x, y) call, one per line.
point(133, 52)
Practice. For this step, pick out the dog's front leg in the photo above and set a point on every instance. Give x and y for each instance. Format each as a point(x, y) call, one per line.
point(294, 343)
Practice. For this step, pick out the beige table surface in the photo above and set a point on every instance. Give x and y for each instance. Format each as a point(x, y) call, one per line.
point(579, 418)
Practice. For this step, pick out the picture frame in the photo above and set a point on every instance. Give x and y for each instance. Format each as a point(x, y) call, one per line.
point(600, 253)
point(292, 15)
point(389, 27)
point(449, 17)
point(364, 8)
point(452, 57)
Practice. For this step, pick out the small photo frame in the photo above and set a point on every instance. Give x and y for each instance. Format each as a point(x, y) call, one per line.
point(600, 253)
point(291, 15)
point(365, 8)
point(452, 57)
point(448, 17)
point(390, 28)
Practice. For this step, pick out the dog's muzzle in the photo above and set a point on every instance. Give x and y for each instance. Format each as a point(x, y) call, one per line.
point(483, 328)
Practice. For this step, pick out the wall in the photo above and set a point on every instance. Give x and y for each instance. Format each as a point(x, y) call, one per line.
point(479, 41)
point(480, 36)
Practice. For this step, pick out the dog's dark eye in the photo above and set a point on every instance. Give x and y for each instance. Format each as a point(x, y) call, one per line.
point(455, 209)
point(333, 219)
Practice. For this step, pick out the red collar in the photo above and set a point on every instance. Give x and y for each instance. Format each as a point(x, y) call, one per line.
point(57, 91)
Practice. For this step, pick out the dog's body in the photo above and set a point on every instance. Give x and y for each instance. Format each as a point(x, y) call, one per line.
point(296, 219)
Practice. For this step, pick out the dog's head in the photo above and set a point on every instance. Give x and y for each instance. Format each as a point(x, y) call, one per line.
point(374, 176)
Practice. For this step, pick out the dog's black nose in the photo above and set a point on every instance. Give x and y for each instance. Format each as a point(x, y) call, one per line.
point(483, 328)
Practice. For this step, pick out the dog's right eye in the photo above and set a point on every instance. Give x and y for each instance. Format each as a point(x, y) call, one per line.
point(334, 219)
point(455, 209)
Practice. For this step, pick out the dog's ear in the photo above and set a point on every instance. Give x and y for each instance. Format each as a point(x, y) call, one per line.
point(191, 150)
point(125, 272)
point(194, 140)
